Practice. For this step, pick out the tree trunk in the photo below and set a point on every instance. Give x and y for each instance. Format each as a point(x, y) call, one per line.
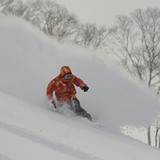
point(149, 135)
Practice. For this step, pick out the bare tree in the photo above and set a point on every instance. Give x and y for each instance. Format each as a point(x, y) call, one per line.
point(137, 43)
point(88, 35)
point(53, 19)
point(57, 21)
point(124, 38)
point(33, 13)
point(85, 34)
point(17, 8)
point(148, 22)
point(100, 38)
point(159, 142)
point(157, 129)
point(149, 135)
point(5, 2)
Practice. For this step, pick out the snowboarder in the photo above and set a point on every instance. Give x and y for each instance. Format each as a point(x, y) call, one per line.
point(65, 92)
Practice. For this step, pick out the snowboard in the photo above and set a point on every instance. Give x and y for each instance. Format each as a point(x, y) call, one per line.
point(66, 110)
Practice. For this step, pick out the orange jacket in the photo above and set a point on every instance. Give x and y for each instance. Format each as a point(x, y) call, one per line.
point(64, 89)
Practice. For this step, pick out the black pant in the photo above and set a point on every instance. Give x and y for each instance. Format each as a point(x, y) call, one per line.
point(76, 107)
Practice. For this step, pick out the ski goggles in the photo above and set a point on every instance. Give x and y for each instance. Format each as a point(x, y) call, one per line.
point(68, 76)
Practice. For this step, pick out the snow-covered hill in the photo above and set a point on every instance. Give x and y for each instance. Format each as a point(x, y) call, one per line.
point(28, 61)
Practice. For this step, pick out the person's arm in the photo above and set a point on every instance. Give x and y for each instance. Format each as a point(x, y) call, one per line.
point(50, 89)
point(78, 82)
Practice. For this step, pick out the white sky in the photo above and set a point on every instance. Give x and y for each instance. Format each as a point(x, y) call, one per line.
point(103, 12)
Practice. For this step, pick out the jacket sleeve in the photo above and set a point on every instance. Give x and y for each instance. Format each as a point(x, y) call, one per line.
point(78, 82)
point(50, 88)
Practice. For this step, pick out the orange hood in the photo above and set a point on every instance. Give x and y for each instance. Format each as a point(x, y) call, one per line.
point(64, 70)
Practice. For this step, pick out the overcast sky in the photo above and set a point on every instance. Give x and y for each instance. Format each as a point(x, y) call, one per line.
point(103, 12)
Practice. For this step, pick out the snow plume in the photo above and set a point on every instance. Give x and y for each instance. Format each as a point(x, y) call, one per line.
point(29, 60)
point(28, 130)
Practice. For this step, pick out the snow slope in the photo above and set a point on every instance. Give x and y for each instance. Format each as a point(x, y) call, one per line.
point(28, 61)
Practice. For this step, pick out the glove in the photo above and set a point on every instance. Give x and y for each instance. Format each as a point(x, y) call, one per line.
point(85, 88)
point(54, 104)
